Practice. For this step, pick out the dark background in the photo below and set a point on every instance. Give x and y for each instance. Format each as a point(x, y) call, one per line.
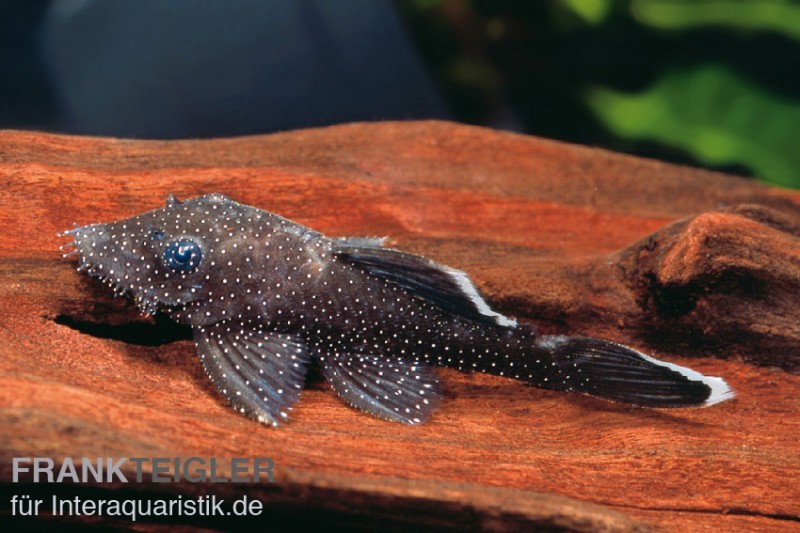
point(712, 83)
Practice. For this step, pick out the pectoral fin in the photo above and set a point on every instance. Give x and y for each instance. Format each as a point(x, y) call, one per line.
point(387, 387)
point(260, 372)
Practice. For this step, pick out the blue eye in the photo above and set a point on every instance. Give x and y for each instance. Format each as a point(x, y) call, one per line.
point(182, 256)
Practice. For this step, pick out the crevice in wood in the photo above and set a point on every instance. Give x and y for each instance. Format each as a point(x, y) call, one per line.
point(711, 512)
point(161, 331)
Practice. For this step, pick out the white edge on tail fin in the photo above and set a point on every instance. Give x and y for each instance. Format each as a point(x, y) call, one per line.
point(720, 391)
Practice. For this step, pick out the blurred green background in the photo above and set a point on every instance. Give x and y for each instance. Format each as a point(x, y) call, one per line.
point(713, 83)
point(706, 82)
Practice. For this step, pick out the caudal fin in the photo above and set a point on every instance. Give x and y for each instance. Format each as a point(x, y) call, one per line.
point(619, 373)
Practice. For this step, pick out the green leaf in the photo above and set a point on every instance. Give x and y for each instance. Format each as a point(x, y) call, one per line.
point(713, 114)
point(592, 12)
point(779, 16)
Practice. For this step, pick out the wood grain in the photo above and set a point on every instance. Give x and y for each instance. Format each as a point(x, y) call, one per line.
point(695, 267)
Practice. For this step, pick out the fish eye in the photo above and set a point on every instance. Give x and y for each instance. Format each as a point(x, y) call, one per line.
point(182, 256)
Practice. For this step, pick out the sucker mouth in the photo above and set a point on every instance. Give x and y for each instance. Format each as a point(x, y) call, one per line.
point(71, 249)
point(146, 300)
point(119, 289)
point(147, 305)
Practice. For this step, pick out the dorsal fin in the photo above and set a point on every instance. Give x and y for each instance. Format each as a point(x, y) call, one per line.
point(448, 288)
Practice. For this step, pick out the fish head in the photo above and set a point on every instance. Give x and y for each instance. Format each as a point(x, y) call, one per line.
point(171, 257)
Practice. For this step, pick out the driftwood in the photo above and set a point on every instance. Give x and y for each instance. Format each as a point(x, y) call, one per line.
point(695, 267)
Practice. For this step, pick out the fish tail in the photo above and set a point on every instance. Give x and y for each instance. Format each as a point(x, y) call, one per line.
point(616, 372)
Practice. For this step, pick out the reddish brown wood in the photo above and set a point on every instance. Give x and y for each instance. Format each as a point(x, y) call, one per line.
point(681, 262)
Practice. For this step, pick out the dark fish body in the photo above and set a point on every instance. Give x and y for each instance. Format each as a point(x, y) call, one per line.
point(266, 296)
